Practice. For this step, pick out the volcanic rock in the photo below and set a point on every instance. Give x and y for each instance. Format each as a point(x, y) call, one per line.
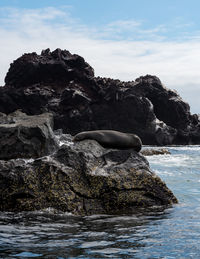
point(65, 85)
point(82, 178)
point(23, 136)
point(154, 151)
point(47, 68)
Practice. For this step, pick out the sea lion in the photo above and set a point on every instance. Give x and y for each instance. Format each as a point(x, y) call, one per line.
point(112, 139)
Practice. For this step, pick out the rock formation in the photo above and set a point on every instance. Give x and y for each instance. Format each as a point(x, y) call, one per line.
point(26, 136)
point(154, 151)
point(82, 178)
point(65, 85)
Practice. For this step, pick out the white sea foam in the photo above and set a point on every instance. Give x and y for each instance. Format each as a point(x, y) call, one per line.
point(178, 148)
point(176, 161)
point(192, 148)
point(67, 143)
point(168, 160)
point(63, 139)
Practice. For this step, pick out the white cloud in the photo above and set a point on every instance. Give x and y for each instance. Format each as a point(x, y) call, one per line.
point(175, 63)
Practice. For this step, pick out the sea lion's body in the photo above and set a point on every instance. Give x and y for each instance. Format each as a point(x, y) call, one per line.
point(112, 139)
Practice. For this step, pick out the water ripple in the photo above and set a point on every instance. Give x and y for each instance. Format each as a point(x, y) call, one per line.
point(173, 233)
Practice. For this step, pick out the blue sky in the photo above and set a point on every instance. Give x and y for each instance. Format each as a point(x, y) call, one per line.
point(120, 38)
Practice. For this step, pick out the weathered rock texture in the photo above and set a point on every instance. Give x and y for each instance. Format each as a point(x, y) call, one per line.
point(64, 84)
point(26, 136)
point(84, 179)
point(154, 151)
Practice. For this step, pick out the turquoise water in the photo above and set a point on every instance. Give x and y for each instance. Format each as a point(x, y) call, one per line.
point(173, 233)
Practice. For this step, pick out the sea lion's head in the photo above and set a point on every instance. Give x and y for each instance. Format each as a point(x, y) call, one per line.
point(78, 137)
point(137, 142)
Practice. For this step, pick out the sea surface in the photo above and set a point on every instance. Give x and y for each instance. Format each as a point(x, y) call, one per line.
point(172, 233)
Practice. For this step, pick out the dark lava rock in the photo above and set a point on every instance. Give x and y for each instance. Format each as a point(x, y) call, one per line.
point(154, 151)
point(64, 84)
point(84, 179)
point(26, 136)
point(47, 68)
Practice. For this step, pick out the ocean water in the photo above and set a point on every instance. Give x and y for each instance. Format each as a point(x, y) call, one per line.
point(172, 233)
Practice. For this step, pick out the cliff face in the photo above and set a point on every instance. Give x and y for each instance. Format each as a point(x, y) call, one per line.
point(65, 85)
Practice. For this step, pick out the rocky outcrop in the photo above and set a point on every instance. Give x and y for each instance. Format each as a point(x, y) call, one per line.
point(170, 109)
point(65, 85)
point(154, 151)
point(26, 136)
point(82, 178)
point(47, 69)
